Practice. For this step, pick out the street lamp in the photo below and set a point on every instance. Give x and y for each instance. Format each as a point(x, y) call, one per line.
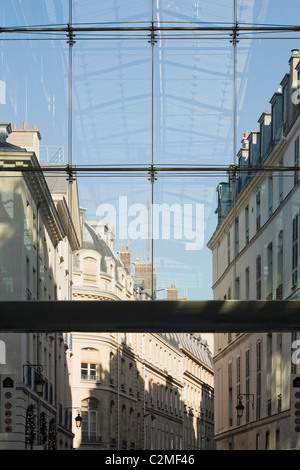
point(78, 418)
point(240, 407)
point(39, 383)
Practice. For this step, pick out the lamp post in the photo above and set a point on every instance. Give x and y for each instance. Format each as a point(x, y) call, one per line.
point(240, 407)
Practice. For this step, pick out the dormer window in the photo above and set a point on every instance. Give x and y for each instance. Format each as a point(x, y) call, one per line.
point(89, 270)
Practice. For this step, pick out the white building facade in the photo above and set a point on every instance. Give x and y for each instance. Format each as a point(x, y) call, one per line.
point(256, 256)
point(134, 391)
point(37, 241)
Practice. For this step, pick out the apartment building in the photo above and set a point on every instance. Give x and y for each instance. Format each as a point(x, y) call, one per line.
point(256, 256)
point(134, 391)
point(39, 232)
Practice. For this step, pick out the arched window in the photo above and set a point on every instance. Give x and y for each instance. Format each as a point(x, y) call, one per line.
point(132, 428)
point(123, 374)
point(131, 378)
point(112, 423)
point(90, 416)
point(112, 368)
point(124, 427)
point(30, 425)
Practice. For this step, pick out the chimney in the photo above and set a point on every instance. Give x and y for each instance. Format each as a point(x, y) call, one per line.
point(26, 138)
point(245, 142)
point(294, 59)
point(125, 257)
point(172, 293)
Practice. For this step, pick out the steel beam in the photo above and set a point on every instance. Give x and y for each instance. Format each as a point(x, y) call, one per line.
point(150, 316)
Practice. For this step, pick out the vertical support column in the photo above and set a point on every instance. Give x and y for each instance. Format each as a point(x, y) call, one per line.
point(234, 42)
point(152, 41)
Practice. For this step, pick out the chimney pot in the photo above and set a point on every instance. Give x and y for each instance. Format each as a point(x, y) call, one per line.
point(24, 125)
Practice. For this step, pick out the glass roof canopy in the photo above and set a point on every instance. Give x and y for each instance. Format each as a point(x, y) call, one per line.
point(149, 101)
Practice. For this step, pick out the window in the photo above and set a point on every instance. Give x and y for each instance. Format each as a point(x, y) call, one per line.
point(295, 235)
point(228, 248)
point(269, 373)
point(258, 221)
point(89, 271)
point(279, 289)
point(230, 405)
point(270, 271)
point(258, 378)
point(238, 379)
point(236, 237)
point(258, 278)
point(112, 423)
point(247, 284)
point(237, 288)
point(124, 427)
point(247, 224)
point(112, 367)
point(89, 420)
point(89, 372)
point(270, 196)
point(247, 359)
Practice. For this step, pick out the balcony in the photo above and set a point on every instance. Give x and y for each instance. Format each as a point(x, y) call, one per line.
point(90, 378)
point(91, 439)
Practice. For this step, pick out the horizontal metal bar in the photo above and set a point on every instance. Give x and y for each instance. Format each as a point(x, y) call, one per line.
point(92, 169)
point(150, 316)
point(147, 28)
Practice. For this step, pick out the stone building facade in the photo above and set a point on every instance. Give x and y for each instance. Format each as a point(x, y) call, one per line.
point(38, 232)
point(256, 256)
point(134, 391)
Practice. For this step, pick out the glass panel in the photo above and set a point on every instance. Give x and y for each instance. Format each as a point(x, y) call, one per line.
point(192, 102)
point(112, 103)
point(168, 138)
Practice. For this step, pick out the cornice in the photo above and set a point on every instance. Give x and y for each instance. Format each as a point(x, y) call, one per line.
point(38, 187)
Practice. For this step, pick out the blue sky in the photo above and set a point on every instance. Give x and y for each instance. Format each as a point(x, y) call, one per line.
point(112, 103)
